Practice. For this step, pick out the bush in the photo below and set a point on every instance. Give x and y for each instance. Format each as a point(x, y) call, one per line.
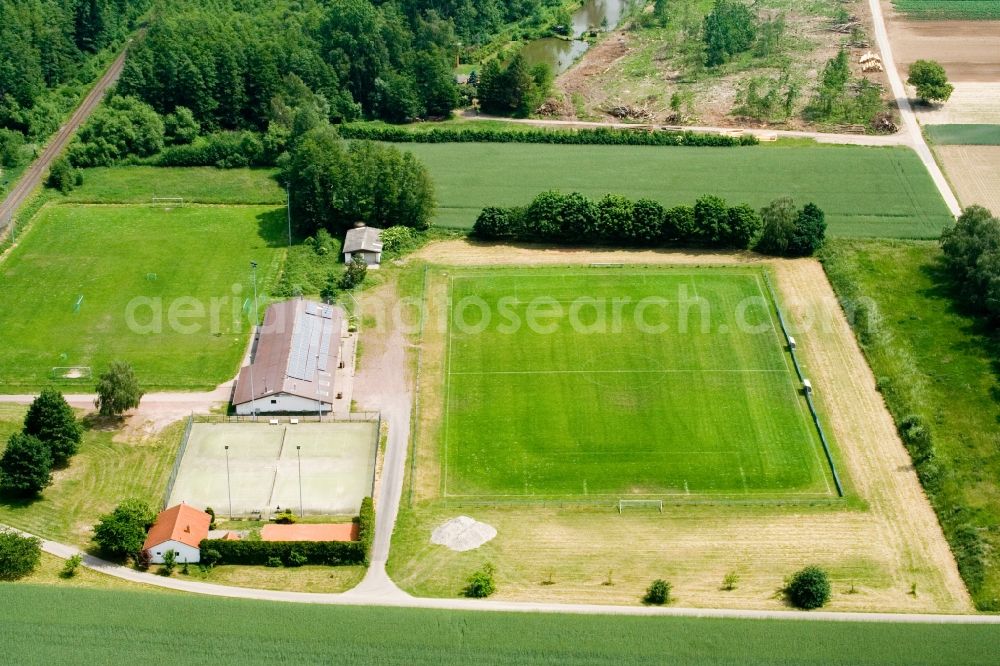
point(481, 584)
point(19, 555)
point(63, 177)
point(596, 136)
point(120, 128)
point(70, 567)
point(225, 150)
point(255, 552)
point(354, 274)
point(809, 588)
point(658, 592)
point(296, 559)
point(398, 239)
point(366, 527)
point(122, 532)
point(286, 517)
point(169, 562)
point(25, 467)
point(273, 562)
point(210, 557)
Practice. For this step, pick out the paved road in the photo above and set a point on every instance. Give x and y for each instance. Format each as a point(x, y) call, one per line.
point(398, 599)
point(910, 125)
point(32, 177)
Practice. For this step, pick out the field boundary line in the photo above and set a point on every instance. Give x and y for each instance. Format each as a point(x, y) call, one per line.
point(615, 372)
point(812, 407)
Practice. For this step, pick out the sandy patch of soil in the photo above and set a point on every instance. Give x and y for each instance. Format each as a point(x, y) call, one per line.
point(970, 103)
point(974, 172)
point(968, 50)
point(466, 252)
point(462, 533)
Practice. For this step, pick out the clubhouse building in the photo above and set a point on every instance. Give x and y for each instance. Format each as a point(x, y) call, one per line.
point(293, 361)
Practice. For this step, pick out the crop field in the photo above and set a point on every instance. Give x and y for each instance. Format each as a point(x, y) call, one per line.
point(964, 135)
point(271, 632)
point(606, 383)
point(839, 179)
point(91, 284)
point(974, 172)
point(949, 9)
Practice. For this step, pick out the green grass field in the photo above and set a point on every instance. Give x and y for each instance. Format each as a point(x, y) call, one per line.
point(964, 135)
point(51, 625)
point(949, 9)
point(884, 192)
point(586, 383)
point(937, 362)
point(191, 264)
point(138, 184)
point(108, 469)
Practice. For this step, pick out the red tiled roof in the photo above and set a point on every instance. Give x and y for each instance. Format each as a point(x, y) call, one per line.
point(303, 532)
point(181, 523)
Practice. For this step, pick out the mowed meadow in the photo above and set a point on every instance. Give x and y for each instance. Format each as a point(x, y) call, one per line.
point(95, 626)
point(684, 388)
point(865, 191)
point(90, 284)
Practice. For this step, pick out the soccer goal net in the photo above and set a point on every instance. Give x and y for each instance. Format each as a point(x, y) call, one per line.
point(168, 202)
point(624, 504)
point(71, 372)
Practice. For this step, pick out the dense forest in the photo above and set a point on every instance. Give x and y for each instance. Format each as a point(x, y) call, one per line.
point(45, 44)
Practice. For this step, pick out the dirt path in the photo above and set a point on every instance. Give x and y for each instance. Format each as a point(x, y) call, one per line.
point(32, 177)
point(465, 252)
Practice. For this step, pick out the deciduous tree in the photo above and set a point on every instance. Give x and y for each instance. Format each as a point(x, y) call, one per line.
point(117, 390)
point(25, 467)
point(52, 420)
point(930, 80)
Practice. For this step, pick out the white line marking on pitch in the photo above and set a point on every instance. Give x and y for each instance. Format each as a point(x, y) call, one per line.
point(614, 372)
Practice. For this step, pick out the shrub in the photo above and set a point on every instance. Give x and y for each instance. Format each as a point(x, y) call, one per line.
point(296, 559)
point(481, 583)
point(169, 562)
point(25, 467)
point(273, 562)
point(63, 177)
point(70, 567)
point(286, 517)
point(225, 150)
point(809, 588)
point(730, 580)
point(210, 556)
point(19, 555)
point(256, 552)
point(917, 437)
point(398, 239)
point(658, 592)
point(355, 273)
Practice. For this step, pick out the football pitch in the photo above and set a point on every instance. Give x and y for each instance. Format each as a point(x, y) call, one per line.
point(166, 290)
point(261, 468)
point(606, 383)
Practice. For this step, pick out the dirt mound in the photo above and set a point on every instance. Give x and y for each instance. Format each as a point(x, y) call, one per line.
point(462, 533)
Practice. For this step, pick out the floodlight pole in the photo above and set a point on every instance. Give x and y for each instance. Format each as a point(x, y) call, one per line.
point(298, 452)
point(229, 486)
point(253, 343)
point(288, 210)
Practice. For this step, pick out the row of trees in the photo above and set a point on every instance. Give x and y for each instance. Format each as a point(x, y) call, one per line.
point(46, 43)
point(779, 228)
point(972, 256)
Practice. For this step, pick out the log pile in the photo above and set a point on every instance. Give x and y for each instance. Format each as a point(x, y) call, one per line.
point(625, 112)
point(871, 62)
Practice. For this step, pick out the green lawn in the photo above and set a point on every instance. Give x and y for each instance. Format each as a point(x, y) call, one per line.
point(49, 625)
point(108, 469)
point(935, 361)
point(865, 191)
point(161, 289)
point(139, 184)
point(964, 135)
point(586, 383)
point(949, 9)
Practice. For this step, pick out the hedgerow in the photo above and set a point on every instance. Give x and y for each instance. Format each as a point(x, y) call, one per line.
point(595, 136)
point(259, 553)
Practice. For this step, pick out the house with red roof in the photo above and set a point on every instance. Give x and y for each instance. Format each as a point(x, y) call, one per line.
point(181, 529)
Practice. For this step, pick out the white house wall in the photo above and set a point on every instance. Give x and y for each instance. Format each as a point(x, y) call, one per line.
point(185, 553)
point(282, 403)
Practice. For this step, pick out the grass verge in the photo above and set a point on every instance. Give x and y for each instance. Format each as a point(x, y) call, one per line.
point(934, 362)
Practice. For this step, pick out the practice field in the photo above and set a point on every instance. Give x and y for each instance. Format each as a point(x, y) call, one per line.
point(163, 289)
point(604, 383)
point(865, 191)
point(338, 461)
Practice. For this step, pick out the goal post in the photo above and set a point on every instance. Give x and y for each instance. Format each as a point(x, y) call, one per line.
point(624, 503)
point(168, 202)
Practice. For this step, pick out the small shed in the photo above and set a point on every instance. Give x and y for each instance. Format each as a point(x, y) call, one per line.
point(180, 528)
point(364, 241)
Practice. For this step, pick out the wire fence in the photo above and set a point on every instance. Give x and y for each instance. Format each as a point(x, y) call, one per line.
point(177, 460)
point(808, 393)
point(289, 419)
